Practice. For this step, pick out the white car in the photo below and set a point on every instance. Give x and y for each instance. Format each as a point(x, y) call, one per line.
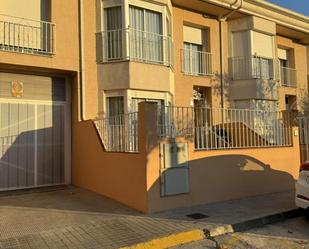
point(302, 186)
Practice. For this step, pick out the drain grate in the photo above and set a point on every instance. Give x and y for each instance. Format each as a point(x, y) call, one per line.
point(197, 216)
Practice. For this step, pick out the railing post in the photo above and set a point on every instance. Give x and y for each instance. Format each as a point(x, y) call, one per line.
point(147, 126)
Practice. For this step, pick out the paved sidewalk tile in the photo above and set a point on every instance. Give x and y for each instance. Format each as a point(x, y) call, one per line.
point(236, 211)
point(76, 218)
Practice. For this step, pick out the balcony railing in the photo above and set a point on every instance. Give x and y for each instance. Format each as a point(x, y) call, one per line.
point(119, 133)
point(251, 67)
point(136, 45)
point(196, 62)
point(26, 35)
point(217, 128)
point(288, 77)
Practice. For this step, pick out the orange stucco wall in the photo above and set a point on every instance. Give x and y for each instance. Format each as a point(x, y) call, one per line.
point(120, 176)
point(217, 175)
point(221, 175)
point(184, 83)
point(298, 59)
point(66, 41)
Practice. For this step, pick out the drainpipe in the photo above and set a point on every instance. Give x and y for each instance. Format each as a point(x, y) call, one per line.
point(222, 19)
point(81, 75)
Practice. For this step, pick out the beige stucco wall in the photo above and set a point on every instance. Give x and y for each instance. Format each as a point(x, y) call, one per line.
point(114, 76)
point(135, 75)
point(253, 89)
point(253, 23)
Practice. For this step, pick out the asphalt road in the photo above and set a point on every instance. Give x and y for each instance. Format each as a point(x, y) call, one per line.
point(288, 234)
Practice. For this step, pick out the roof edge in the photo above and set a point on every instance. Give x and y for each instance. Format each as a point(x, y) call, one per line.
point(273, 12)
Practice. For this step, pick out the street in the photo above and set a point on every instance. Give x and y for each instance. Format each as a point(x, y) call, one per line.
point(293, 233)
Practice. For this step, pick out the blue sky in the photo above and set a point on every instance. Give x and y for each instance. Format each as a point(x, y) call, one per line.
point(301, 6)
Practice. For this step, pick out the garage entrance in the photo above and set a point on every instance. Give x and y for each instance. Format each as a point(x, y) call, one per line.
point(34, 131)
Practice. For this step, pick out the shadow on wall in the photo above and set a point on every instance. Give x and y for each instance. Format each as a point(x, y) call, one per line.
point(17, 158)
point(224, 177)
point(31, 135)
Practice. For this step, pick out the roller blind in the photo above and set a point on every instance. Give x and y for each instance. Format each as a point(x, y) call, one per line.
point(113, 39)
point(115, 106)
point(193, 35)
point(263, 45)
point(282, 54)
point(241, 43)
point(113, 20)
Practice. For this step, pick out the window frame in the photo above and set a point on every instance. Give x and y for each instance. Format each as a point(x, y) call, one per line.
point(107, 103)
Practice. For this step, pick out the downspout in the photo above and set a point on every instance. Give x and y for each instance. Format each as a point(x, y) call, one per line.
point(222, 19)
point(81, 61)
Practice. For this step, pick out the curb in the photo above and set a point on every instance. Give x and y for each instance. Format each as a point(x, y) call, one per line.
point(200, 234)
point(254, 223)
point(170, 240)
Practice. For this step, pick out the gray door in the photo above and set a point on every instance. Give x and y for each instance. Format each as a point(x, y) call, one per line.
point(34, 131)
point(32, 143)
point(17, 143)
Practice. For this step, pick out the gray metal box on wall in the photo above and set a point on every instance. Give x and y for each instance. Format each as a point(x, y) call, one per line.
point(174, 155)
point(174, 168)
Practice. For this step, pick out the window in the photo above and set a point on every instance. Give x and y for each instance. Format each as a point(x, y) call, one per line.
point(195, 60)
point(262, 45)
point(115, 106)
point(136, 34)
point(283, 57)
point(192, 61)
point(252, 55)
point(146, 35)
point(283, 71)
point(287, 74)
point(114, 33)
point(290, 102)
point(168, 27)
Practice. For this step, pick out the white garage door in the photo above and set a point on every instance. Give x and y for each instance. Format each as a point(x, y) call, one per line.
point(34, 132)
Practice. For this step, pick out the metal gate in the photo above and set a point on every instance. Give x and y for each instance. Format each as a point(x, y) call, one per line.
point(303, 124)
point(32, 144)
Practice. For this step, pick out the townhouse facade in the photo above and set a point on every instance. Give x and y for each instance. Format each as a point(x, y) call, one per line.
point(103, 93)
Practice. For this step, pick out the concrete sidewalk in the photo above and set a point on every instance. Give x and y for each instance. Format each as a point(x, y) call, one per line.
point(240, 214)
point(76, 218)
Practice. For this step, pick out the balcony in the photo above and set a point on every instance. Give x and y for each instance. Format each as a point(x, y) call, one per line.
point(287, 77)
point(196, 63)
point(134, 45)
point(26, 36)
point(251, 67)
